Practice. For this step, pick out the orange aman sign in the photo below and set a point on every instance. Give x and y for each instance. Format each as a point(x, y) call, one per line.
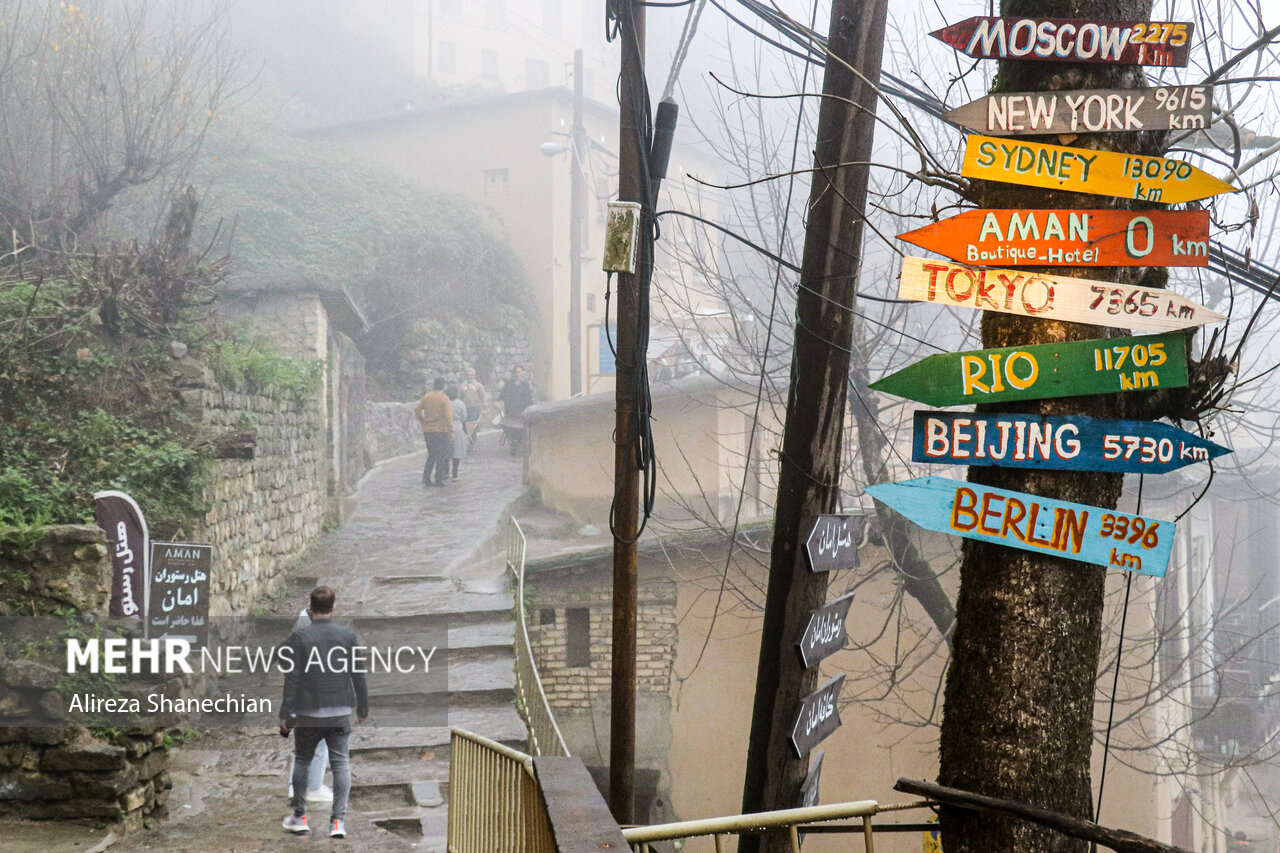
point(1075, 238)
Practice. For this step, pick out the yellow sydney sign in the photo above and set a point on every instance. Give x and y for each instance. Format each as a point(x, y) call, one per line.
point(1058, 167)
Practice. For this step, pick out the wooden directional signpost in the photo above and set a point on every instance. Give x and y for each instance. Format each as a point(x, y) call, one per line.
point(1067, 443)
point(824, 635)
point(1041, 371)
point(809, 788)
point(818, 717)
point(1071, 40)
point(1058, 167)
point(1087, 111)
point(1075, 238)
point(833, 542)
point(1050, 297)
point(1078, 532)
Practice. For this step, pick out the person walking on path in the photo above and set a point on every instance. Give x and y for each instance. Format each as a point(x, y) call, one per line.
point(476, 399)
point(317, 791)
point(459, 427)
point(324, 686)
point(435, 413)
point(517, 395)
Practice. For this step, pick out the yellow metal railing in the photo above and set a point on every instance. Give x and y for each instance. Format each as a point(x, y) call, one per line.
point(794, 822)
point(494, 803)
point(531, 699)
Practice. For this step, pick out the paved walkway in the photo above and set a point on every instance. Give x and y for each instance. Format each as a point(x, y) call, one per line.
point(408, 561)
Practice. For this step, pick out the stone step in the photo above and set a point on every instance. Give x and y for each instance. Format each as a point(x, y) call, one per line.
point(431, 825)
point(465, 632)
point(398, 746)
point(413, 603)
point(502, 725)
point(483, 672)
point(394, 785)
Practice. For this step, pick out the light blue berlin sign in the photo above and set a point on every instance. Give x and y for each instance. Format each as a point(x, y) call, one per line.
point(1076, 531)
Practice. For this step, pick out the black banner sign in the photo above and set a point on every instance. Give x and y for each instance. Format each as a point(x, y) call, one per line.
point(121, 518)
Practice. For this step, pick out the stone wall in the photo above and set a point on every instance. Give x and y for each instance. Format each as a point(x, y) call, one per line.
point(552, 593)
point(67, 566)
point(68, 773)
point(435, 349)
point(346, 431)
point(263, 511)
point(390, 429)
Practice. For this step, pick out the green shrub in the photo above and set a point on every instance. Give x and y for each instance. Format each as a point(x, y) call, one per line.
point(244, 363)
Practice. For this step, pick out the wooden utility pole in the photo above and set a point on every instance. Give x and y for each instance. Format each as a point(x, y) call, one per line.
point(576, 192)
point(1020, 690)
point(632, 149)
point(809, 480)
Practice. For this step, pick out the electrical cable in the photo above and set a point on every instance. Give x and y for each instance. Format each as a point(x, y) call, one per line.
point(1115, 682)
point(682, 49)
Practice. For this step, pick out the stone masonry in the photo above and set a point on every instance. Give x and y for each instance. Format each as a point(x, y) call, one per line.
point(68, 773)
point(264, 511)
point(434, 350)
point(390, 429)
point(552, 593)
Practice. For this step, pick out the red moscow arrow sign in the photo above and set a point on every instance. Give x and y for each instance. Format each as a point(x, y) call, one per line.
point(1076, 238)
point(1071, 40)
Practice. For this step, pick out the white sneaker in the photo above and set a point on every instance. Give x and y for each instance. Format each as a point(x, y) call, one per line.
point(296, 825)
point(323, 794)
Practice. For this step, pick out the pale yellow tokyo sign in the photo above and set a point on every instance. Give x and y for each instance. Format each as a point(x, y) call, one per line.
point(1050, 297)
point(1058, 167)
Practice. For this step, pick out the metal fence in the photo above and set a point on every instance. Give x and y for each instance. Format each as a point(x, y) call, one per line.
point(791, 821)
point(531, 700)
point(494, 803)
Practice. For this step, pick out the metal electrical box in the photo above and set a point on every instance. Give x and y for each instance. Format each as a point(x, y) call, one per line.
point(621, 235)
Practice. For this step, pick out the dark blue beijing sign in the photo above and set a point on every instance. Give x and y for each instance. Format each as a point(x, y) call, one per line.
point(1074, 443)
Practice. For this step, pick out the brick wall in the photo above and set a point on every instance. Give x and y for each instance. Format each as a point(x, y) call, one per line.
point(575, 687)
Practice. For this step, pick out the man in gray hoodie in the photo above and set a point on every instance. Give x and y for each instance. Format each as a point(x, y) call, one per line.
point(321, 691)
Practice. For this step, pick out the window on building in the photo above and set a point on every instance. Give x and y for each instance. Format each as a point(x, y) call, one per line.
point(446, 57)
point(495, 12)
point(551, 16)
point(591, 302)
point(495, 183)
point(489, 64)
point(577, 637)
point(451, 8)
point(537, 74)
point(546, 616)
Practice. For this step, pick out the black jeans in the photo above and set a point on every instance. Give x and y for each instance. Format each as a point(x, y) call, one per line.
point(439, 454)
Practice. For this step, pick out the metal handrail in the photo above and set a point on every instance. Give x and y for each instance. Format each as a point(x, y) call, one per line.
point(791, 820)
point(531, 699)
point(494, 800)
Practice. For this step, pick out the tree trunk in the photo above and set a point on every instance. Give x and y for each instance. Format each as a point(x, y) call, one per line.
point(1018, 713)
